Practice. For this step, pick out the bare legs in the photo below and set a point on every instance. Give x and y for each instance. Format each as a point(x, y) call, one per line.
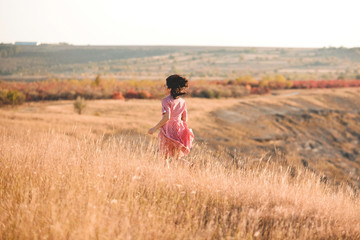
point(176, 158)
point(172, 154)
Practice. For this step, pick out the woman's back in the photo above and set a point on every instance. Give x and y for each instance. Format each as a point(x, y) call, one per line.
point(175, 107)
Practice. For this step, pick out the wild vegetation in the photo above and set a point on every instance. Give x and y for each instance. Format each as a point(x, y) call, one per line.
point(65, 175)
point(284, 165)
point(55, 89)
point(55, 72)
point(79, 105)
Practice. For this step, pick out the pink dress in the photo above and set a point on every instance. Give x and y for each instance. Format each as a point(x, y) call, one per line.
point(175, 136)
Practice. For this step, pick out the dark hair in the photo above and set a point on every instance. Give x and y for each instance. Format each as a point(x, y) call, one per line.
point(177, 84)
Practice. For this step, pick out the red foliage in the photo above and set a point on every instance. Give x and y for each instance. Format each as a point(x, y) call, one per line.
point(220, 82)
point(144, 94)
point(141, 94)
point(260, 90)
point(277, 85)
point(68, 89)
point(117, 95)
point(131, 94)
point(325, 84)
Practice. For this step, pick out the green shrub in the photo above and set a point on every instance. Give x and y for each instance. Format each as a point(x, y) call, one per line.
point(209, 93)
point(97, 80)
point(12, 97)
point(79, 104)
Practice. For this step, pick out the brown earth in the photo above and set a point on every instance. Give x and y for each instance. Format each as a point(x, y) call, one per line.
point(317, 129)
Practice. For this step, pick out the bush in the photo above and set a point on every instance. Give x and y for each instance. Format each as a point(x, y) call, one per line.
point(274, 82)
point(260, 90)
point(245, 80)
point(97, 80)
point(117, 95)
point(12, 97)
point(131, 94)
point(209, 93)
point(325, 84)
point(220, 91)
point(144, 95)
point(240, 91)
point(79, 104)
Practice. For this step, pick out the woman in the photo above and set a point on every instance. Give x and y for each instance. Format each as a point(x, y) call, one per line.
point(175, 137)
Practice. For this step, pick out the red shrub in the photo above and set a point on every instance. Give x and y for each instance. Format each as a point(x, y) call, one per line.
point(325, 84)
point(131, 94)
point(144, 94)
point(117, 95)
point(68, 89)
point(260, 90)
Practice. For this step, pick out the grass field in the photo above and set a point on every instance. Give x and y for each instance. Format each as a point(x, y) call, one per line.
point(99, 176)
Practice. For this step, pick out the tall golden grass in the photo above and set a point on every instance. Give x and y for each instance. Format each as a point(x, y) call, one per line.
point(78, 185)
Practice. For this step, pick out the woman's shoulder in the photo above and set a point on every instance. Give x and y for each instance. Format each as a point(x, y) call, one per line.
point(181, 99)
point(167, 99)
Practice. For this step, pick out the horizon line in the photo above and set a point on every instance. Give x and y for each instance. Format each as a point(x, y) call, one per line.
point(169, 45)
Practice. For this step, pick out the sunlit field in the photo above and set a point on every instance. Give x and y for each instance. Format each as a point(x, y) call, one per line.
point(98, 176)
point(90, 115)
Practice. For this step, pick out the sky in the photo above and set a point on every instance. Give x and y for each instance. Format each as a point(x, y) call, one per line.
point(256, 23)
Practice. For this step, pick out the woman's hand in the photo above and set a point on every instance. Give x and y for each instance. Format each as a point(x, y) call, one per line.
point(162, 122)
point(152, 130)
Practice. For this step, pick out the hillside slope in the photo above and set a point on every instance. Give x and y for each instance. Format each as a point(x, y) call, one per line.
point(64, 181)
point(317, 129)
point(313, 129)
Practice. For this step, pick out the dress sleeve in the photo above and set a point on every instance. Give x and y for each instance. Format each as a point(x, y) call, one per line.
point(165, 106)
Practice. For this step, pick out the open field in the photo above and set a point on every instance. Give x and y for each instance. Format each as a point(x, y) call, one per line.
point(280, 166)
point(28, 63)
point(313, 128)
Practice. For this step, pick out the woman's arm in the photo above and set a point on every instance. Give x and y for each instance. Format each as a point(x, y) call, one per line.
point(162, 122)
point(184, 115)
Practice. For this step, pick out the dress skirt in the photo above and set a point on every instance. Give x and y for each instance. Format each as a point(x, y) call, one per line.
point(175, 138)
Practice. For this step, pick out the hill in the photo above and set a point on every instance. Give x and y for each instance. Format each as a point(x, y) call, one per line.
point(316, 129)
point(155, 62)
point(98, 175)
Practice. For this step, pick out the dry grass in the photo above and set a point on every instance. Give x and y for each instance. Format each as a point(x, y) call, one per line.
point(74, 184)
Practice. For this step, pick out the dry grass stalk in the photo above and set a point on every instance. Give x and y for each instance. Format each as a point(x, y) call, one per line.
point(74, 185)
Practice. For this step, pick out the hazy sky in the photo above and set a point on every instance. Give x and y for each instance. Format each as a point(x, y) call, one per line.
point(287, 23)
